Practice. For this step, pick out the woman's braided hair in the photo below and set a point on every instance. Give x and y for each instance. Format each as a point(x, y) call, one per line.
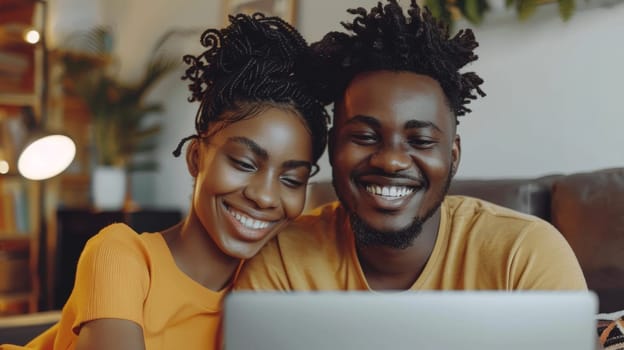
point(255, 63)
point(386, 39)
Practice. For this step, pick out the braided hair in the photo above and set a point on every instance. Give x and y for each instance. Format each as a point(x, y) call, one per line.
point(386, 39)
point(255, 63)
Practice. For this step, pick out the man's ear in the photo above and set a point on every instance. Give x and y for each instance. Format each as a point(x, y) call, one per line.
point(455, 155)
point(192, 157)
point(330, 145)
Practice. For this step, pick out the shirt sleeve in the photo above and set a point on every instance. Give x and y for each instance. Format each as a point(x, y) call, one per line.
point(112, 277)
point(542, 259)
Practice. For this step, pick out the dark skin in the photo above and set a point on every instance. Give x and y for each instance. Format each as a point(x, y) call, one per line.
point(393, 150)
point(250, 181)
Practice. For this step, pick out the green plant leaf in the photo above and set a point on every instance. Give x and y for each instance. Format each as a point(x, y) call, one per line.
point(473, 10)
point(566, 8)
point(526, 8)
point(440, 11)
point(119, 109)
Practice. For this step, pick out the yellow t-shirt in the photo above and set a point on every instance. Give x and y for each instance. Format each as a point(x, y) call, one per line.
point(124, 275)
point(480, 246)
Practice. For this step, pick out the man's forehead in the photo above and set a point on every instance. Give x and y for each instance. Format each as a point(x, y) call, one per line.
point(394, 97)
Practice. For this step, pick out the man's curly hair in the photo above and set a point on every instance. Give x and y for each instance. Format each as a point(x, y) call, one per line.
point(254, 63)
point(386, 39)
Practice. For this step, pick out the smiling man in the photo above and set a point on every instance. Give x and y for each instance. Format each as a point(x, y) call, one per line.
point(397, 89)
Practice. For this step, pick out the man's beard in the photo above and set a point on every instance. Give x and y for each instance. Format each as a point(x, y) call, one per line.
point(367, 236)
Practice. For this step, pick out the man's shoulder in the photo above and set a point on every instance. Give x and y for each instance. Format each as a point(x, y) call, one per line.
point(315, 230)
point(462, 207)
point(317, 222)
point(487, 219)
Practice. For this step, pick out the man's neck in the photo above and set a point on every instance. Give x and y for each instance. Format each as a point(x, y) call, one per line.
point(387, 268)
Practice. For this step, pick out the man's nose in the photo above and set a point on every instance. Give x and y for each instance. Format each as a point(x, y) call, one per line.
point(391, 158)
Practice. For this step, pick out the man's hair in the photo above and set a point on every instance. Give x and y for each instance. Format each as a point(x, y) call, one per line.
point(255, 63)
point(386, 39)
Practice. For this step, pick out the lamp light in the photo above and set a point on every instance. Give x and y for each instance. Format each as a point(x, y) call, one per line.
point(46, 156)
point(32, 36)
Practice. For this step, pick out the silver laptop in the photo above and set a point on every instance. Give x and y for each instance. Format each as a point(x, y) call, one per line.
point(410, 320)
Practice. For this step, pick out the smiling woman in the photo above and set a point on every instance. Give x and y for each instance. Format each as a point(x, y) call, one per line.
point(260, 129)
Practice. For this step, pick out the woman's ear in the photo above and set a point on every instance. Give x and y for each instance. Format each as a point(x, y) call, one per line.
point(192, 157)
point(456, 155)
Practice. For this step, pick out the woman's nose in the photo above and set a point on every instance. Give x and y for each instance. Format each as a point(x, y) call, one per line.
point(263, 190)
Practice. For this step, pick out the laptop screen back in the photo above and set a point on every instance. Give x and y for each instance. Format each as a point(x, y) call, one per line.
point(410, 320)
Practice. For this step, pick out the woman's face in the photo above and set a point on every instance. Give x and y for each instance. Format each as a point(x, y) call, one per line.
point(251, 179)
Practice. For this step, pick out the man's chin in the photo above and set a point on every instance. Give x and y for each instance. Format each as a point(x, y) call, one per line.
point(368, 236)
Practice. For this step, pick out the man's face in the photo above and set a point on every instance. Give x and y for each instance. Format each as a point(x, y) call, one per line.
point(393, 150)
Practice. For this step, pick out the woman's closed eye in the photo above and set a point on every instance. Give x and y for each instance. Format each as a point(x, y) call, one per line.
point(294, 181)
point(243, 165)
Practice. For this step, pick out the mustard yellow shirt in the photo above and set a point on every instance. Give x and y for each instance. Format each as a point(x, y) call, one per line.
point(480, 246)
point(130, 276)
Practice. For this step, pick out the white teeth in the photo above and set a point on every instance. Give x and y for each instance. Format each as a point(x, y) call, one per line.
point(389, 191)
point(249, 222)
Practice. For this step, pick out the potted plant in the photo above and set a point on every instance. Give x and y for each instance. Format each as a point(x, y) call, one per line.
point(123, 130)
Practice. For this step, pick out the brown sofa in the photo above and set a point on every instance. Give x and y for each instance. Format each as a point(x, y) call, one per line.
point(587, 208)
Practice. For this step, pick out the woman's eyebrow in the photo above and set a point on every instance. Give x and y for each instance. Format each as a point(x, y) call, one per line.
point(251, 145)
point(292, 164)
point(262, 153)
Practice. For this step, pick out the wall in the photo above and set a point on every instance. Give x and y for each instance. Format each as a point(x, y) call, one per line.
point(553, 87)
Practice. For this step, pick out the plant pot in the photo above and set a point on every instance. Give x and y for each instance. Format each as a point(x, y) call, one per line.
point(108, 188)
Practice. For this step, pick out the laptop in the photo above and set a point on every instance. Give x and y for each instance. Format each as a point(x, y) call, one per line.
point(484, 320)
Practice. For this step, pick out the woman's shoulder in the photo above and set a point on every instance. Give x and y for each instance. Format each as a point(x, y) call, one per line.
point(117, 237)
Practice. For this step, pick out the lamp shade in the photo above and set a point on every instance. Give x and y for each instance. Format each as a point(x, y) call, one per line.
point(46, 156)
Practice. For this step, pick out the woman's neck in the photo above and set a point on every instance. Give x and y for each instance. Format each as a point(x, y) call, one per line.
point(197, 255)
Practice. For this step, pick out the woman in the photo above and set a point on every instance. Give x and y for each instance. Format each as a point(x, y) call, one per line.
point(260, 131)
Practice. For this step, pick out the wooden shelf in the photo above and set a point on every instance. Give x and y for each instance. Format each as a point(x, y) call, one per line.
point(17, 99)
point(17, 303)
point(20, 199)
point(12, 239)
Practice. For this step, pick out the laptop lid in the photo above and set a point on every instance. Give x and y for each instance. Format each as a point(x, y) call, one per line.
point(410, 320)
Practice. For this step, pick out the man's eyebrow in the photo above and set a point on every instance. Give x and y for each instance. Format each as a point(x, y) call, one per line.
point(420, 124)
point(251, 145)
point(365, 119)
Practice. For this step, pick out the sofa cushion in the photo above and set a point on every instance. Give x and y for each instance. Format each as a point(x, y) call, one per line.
point(530, 196)
point(588, 209)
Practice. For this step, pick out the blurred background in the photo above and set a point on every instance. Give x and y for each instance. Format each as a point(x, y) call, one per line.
point(106, 73)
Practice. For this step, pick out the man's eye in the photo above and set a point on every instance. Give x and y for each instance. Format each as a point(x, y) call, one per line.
point(364, 139)
point(243, 165)
point(422, 143)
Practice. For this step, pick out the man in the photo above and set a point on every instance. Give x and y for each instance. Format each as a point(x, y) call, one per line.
point(394, 149)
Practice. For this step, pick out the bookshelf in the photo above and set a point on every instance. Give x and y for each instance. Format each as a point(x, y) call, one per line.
point(21, 84)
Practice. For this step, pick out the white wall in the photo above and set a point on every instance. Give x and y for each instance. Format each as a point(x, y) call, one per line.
point(554, 88)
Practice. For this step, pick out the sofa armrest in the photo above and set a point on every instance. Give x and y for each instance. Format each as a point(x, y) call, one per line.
point(588, 209)
point(20, 329)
